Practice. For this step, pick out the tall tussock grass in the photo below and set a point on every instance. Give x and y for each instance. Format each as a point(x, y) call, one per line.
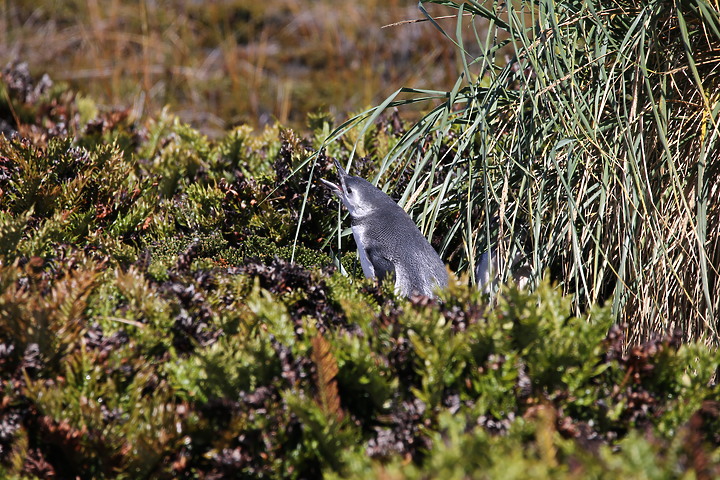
point(592, 150)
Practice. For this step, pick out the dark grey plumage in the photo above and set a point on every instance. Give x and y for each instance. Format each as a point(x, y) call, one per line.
point(388, 240)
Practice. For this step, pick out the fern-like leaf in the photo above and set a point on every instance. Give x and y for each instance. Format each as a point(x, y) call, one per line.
point(327, 370)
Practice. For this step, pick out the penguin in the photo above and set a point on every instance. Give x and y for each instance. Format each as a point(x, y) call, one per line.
point(388, 241)
point(489, 265)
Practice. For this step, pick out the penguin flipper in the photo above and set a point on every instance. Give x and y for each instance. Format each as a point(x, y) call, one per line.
point(381, 264)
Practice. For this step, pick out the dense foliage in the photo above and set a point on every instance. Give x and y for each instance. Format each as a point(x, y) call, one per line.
point(152, 327)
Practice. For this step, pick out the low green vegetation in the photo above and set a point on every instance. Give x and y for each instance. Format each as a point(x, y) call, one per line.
point(152, 327)
point(174, 306)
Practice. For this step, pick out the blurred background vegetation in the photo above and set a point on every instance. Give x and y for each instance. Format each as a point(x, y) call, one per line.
point(228, 62)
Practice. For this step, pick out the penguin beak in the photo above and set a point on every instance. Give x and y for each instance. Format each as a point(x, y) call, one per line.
point(337, 190)
point(341, 170)
point(333, 188)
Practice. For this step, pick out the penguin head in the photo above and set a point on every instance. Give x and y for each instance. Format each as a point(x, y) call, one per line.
point(358, 195)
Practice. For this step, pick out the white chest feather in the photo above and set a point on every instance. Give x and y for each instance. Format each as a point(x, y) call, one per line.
point(367, 267)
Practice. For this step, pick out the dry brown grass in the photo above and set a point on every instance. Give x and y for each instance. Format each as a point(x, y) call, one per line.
point(228, 62)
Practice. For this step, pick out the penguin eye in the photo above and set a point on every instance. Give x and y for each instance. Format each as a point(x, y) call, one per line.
point(349, 190)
